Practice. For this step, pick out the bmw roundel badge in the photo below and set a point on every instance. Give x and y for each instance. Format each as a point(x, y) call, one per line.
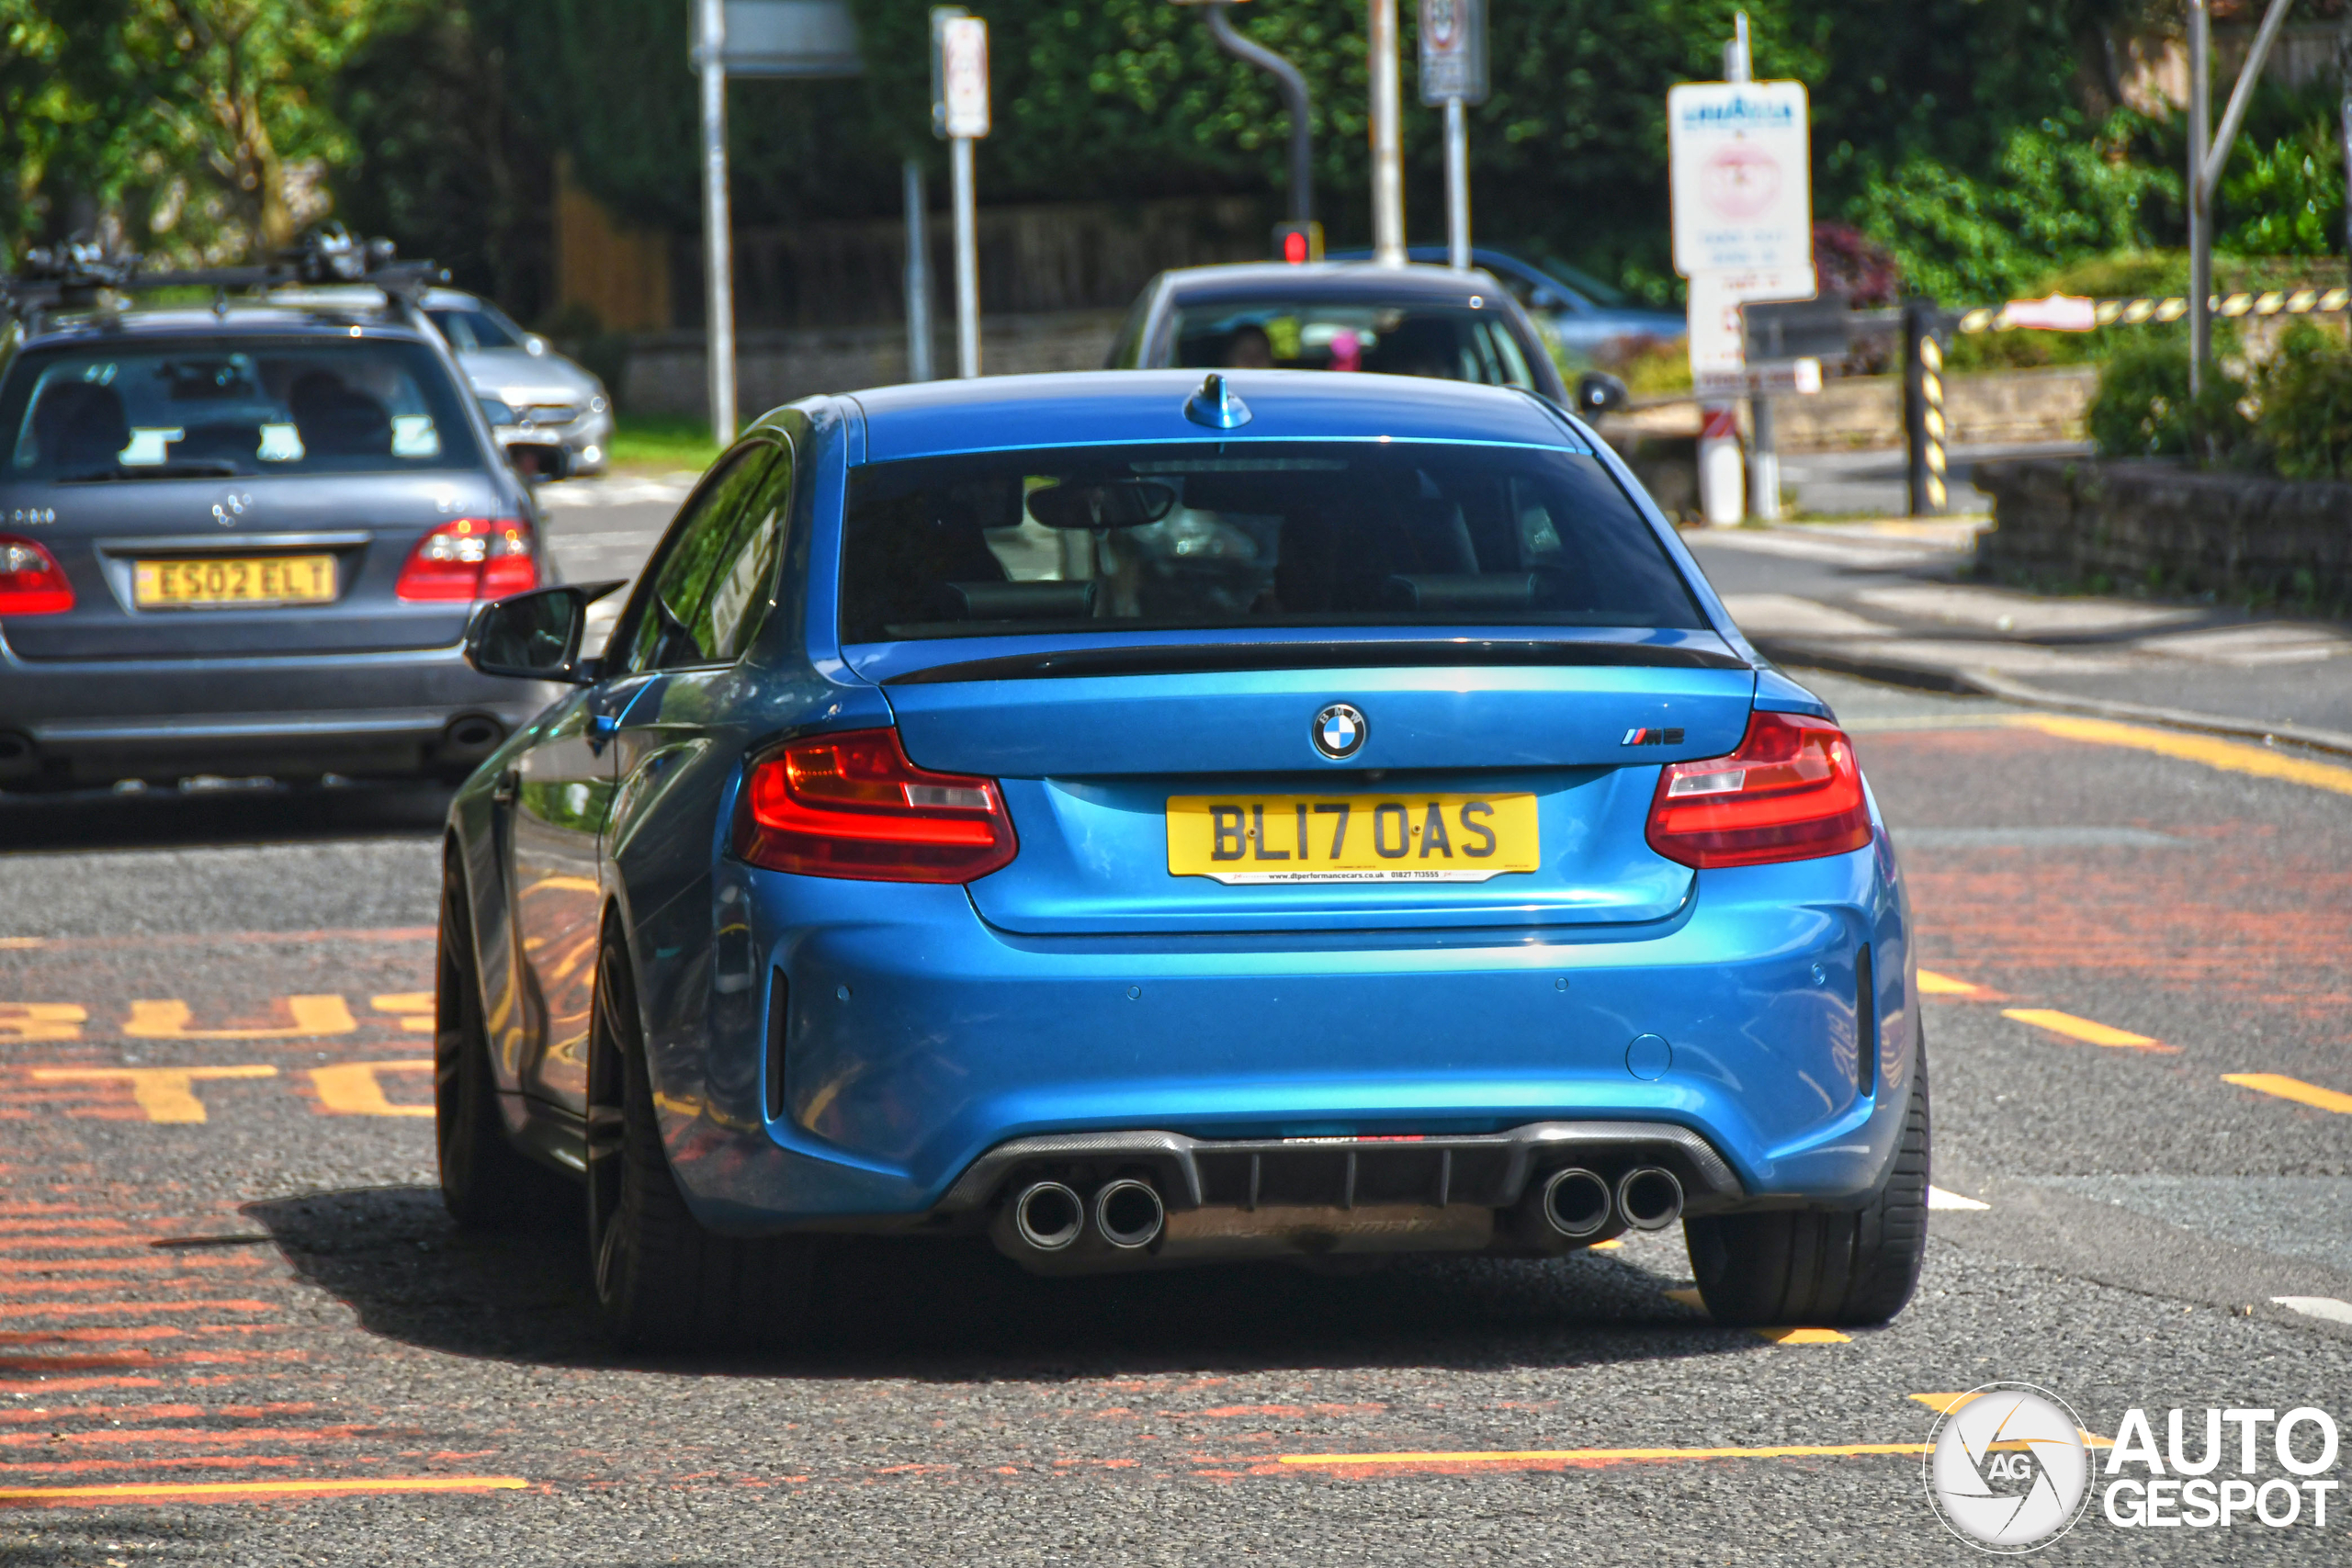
point(1339, 731)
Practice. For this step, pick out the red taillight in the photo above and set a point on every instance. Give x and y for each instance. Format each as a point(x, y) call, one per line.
point(851, 805)
point(1792, 791)
point(470, 558)
point(31, 583)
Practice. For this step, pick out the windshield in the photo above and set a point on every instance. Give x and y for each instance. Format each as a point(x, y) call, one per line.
point(475, 329)
point(1249, 535)
point(1453, 343)
point(185, 409)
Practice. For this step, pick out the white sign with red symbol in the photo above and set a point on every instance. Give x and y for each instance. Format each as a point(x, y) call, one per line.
point(963, 76)
point(1740, 175)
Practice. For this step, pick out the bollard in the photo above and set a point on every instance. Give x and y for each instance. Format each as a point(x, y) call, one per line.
point(1923, 406)
point(1721, 497)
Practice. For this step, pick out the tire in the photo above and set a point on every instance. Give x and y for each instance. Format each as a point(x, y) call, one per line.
point(1820, 1266)
point(486, 1182)
point(662, 1281)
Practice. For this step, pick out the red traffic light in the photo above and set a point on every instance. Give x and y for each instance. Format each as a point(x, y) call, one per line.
point(1299, 243)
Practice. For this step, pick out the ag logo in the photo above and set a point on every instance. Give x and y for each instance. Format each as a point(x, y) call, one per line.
point(2007, 1468)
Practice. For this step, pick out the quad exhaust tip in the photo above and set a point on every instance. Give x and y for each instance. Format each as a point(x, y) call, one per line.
point(1575, 1203)
point(1128, 1213)
point(1048, 1216)
point(1649, 1198)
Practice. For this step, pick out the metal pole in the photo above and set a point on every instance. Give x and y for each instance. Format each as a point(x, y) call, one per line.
point(1457, 186)
point(1763, 455)
point(1292, 84)
point(1387, 139)
point(2344, 122)
point(967, 259)
point(917, 272)
point(2200, 214)
point(718, 272)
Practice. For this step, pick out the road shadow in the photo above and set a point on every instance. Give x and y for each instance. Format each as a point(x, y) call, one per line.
point(272, 812)
point(929, 1308)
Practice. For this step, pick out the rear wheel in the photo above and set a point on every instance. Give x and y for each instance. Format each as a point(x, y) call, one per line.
point(662, 1281)
point(1822, 1266)
point(486, 1182)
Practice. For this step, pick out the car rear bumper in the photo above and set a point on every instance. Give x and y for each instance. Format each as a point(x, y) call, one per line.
point(401, 712)
point(913, 1039)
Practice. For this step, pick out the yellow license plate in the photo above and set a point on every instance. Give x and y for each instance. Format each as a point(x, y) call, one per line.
point(1405, 837)
point(209, 581)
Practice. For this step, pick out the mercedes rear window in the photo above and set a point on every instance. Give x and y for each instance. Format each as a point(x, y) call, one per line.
point(183, 409)
point(1250, 535)
point(1452, 342)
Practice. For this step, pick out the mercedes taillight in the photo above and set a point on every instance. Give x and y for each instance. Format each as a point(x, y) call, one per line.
point(471, 558)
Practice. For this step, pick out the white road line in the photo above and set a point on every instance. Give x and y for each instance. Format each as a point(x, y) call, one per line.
point(2328, 1307)
point(1940, 1198)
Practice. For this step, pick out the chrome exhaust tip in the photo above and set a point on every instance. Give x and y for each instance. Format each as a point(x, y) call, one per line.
point(1575, 1204)
point(1650, 1198)
point(1047, 1216)
point(1128, 1213)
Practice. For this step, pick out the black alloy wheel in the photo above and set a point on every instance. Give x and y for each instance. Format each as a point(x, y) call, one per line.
point(1823, 1267)
point(486, 1182)
point(662, 1281)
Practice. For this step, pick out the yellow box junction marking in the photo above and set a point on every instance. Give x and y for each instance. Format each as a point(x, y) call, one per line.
point(165, 1094)
point(1934, 984)
point(1944, 1403)
point(1602, 1456)
point(2085, 1029)
point(41, 1021)
point(2231, 756)
point(168, 1019)
point(415, 1008)
point(2296, 1089)
point(234, 1490)
point(353, 1088)
point(1784, 1335)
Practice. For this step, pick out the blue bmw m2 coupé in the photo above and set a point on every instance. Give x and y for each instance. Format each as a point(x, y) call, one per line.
point(1141, 818)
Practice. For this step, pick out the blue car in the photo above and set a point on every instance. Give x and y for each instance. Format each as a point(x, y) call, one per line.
point(1593, 322)
point(1147, 817)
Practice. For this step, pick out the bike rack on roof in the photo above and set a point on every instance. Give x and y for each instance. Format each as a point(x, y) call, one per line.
point(77, 273)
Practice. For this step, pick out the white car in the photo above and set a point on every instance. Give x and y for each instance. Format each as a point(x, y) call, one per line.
point(563, 418)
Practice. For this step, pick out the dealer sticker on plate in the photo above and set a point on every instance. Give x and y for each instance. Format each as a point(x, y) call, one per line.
point(1351, 837)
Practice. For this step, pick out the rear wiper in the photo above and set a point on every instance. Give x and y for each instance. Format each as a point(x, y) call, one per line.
point(192, 469)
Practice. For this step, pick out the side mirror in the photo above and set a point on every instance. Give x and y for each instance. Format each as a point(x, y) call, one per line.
point(534, 343)
point(1597, 393)
point(536, 636)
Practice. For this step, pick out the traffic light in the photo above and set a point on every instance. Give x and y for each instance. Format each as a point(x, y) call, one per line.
point(1299, 243)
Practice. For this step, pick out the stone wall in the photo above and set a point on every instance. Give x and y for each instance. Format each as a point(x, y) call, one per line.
point(2143, 521)
point(2007, 408)
point(665, 370)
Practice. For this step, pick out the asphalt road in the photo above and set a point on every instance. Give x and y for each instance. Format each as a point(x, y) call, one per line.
point(242, 1280)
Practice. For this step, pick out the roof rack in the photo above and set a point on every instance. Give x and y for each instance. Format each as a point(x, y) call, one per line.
point(73, 275)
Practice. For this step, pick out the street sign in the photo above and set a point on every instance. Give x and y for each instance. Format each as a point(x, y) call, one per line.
point(1803, 329)
point(1740, 176)
point(960, 74)
point(784, 37)
point(1718, 341)
point(1453, 50)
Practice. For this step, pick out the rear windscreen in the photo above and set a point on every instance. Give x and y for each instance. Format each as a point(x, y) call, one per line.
point(185, 409)
point(1261, 534)
point(1452, 342)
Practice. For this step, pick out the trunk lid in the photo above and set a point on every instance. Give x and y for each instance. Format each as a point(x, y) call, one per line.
point(1089, 764)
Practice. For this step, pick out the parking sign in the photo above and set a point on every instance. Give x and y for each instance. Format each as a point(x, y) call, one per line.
point(1741, 177)
point(960, 74)
point(1453, 50)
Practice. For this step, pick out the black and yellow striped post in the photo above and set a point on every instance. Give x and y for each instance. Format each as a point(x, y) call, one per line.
point(1924, 431)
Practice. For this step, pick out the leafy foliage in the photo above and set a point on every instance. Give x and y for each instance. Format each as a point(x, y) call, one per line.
point(2143, 408)
point(2305, 423)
